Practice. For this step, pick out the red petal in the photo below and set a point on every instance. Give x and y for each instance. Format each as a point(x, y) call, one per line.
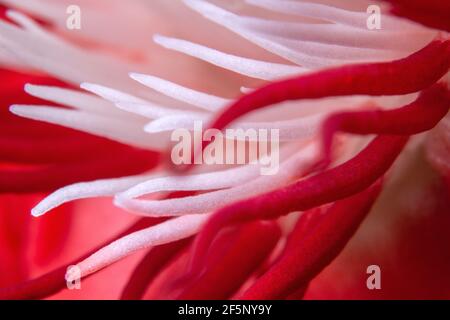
point(54, 281)
point(49, 177)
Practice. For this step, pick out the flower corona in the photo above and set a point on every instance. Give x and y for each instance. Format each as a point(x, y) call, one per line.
point(265, 146)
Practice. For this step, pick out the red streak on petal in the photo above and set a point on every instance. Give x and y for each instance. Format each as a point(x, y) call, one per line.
point(49, 177)
point(316, 250)
point(17, 127)
point(249, 249)
point(335, 184)
point(54, 150)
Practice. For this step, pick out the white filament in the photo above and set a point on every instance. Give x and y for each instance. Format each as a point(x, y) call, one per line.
point(115, 129)
point(296, 166)
point(166, 232)
point(178, 92)
point(84, 190)
point(249, 67)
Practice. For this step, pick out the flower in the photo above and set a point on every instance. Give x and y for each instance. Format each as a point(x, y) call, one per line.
point(318, 66)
